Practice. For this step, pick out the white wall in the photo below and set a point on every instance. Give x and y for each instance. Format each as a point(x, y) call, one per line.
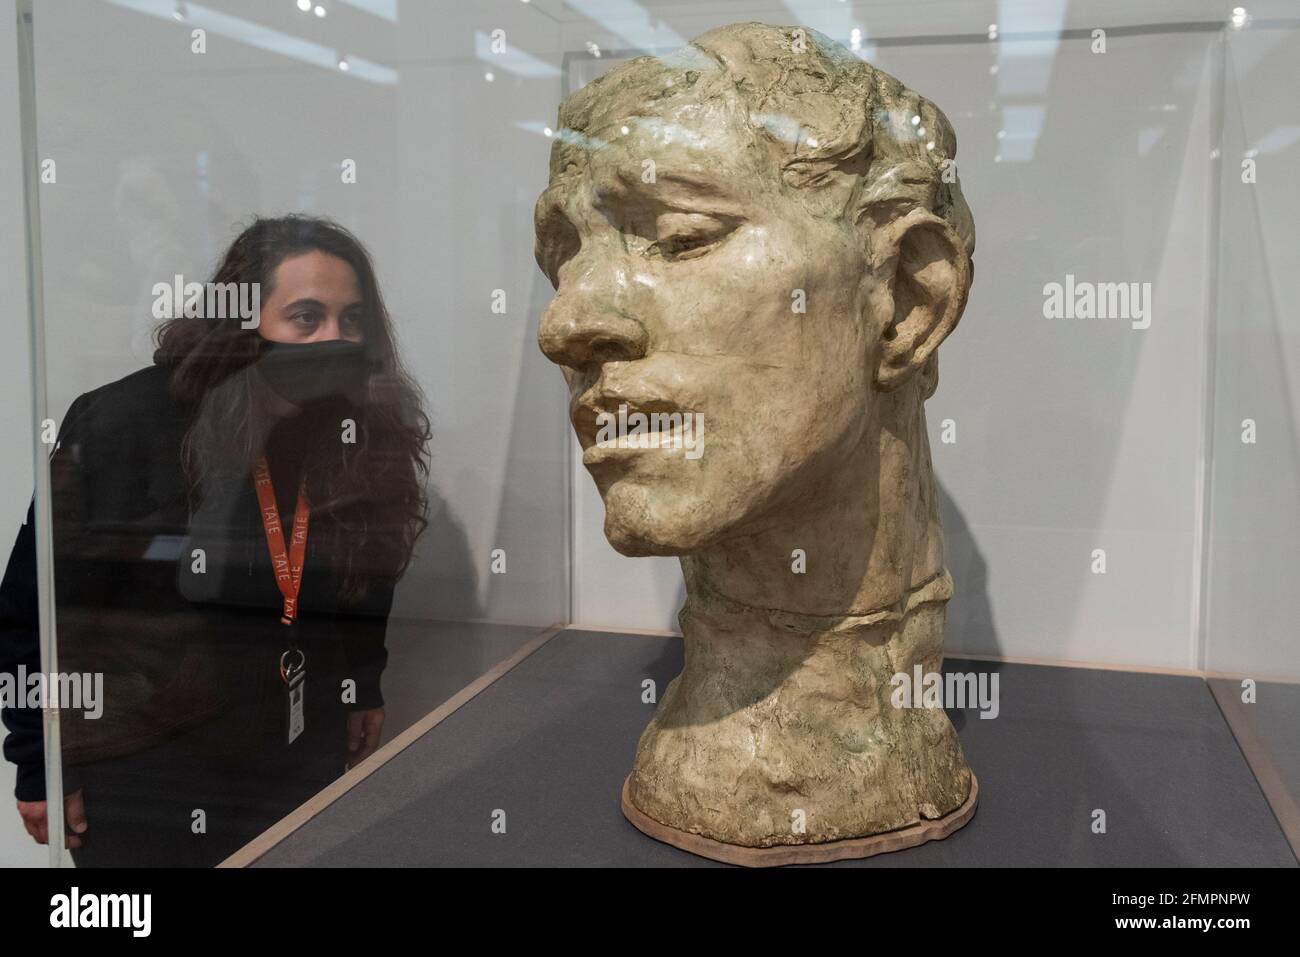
point(1253, 603)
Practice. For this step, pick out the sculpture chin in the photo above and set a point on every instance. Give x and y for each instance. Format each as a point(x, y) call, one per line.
point(638, 523)
point(635, 547)
point(637, 541)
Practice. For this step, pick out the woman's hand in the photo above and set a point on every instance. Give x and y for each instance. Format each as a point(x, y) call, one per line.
point(363, 734)
point(35, 820)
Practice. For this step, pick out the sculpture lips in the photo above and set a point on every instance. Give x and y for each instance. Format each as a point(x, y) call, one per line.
point(597, 414)
point(594, 409)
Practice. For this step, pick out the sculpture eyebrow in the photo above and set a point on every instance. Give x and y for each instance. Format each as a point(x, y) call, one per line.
point(706, 191)
point(630, 176)
point(691, 181)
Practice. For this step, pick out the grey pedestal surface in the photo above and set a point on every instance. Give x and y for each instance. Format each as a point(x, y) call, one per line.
point(550, 742)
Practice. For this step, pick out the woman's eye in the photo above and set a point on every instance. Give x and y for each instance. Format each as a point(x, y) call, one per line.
point(305, 318)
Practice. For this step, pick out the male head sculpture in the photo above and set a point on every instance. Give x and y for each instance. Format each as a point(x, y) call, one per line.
point(765, 231)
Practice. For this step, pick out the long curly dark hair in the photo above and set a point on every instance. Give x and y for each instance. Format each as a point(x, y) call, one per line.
point(368, 498)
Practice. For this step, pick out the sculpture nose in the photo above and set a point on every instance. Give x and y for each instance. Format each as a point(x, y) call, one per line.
point(585, 326)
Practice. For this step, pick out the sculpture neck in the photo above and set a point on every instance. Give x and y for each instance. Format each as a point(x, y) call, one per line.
point(775, 711)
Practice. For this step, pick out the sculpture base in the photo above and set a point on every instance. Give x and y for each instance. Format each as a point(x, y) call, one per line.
point(782, 854)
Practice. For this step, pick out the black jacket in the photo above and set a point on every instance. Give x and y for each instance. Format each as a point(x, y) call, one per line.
point(179, 638)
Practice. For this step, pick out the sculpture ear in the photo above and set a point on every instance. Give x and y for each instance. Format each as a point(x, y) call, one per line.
point(929, 275)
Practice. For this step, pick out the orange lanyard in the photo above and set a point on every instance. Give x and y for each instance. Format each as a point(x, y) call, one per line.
point(287, 564)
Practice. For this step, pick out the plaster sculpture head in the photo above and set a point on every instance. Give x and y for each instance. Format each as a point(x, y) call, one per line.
point(765, 233)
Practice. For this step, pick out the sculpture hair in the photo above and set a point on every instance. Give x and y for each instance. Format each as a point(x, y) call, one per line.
point(824, 113)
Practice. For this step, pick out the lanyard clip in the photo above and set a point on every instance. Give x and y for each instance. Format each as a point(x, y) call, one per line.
point(292, 663)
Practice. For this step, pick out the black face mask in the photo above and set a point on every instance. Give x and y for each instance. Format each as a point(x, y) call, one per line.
point(309, 372)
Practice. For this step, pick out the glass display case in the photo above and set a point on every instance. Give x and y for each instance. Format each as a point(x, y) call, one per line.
point(1113, 434)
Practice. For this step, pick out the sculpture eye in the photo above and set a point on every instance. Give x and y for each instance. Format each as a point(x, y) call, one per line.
point(686, 246)
point(690, 235)
point(680, 246)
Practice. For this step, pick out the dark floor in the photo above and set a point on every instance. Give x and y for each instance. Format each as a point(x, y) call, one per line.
point(551, 741)
point(430, 661)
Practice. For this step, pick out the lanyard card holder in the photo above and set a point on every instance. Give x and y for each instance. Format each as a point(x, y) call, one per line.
point(293, 672)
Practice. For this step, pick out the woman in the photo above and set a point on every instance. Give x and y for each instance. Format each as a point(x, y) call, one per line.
point(229, 525)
